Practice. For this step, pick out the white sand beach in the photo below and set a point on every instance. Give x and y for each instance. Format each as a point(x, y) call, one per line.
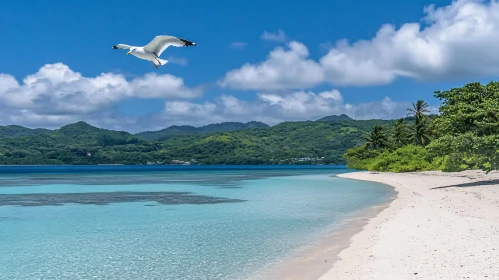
point(440, 226)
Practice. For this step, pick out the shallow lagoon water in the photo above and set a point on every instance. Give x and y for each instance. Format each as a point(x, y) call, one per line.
point(211, 223)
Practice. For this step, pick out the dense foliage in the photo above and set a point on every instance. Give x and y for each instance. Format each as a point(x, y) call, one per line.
point(465, 135)
point(306, 142)
point(188, 129)
point(16, 130)
point(469, 127)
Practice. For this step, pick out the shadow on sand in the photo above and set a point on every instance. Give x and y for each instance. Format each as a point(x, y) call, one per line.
point(471, 184)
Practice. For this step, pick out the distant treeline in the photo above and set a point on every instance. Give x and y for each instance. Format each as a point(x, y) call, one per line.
point(305, 142)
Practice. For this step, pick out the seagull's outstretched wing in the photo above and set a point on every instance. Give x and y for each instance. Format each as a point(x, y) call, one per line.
point(121, 46)
point(160, 43)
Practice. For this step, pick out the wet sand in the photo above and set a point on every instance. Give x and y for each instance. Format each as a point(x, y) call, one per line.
point(316, 259)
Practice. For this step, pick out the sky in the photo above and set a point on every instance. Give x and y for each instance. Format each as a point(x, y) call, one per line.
point(268, 61)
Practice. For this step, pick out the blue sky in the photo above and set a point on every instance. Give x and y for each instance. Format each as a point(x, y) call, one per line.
point(256, 60)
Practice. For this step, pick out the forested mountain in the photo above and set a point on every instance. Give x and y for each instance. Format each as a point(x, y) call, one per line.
point(341, 117)
point(16, 130)
point(287, 142)
point(188, 129)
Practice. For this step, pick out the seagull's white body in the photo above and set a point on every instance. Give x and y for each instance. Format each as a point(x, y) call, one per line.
point(142, 54)
point(145, 55)
point(155, 48)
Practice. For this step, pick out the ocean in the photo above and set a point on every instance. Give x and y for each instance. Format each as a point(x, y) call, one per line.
point(168, 222)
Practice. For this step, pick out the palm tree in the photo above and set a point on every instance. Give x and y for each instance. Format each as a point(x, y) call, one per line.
point(418, 110)
point(420, 135)
point(400, 135)
point(376, 138)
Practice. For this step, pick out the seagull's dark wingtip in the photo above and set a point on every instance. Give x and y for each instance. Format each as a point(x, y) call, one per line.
point(188, 43)
point(115, 47)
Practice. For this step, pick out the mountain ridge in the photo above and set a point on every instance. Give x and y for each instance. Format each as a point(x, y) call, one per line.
point(330, 118)
point(76, 128)
point(17, 130)
point(292, 142)
point(189, 129)
point(173, 130)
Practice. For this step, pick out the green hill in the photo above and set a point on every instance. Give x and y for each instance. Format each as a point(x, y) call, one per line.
point(287, 142)
point(187, 129)
point(16, 130)
point(341, 117)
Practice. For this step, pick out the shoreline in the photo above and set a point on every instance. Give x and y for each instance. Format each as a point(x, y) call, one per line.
point(318, 257)
point(439, 226)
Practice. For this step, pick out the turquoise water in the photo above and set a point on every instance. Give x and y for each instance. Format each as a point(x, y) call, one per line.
point(168, 224)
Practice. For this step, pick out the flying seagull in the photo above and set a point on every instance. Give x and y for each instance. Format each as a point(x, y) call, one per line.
point(155, 48)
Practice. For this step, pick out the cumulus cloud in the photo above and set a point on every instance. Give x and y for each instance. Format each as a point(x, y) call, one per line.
point(56, 89)
point(268, 107)
point(279, 36)
point(273, 108)
point(238, 45)
point(285, 68)
point(452, 42)
point(56, 95)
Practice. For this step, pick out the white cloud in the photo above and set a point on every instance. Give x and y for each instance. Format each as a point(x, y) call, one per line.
point(453, 42)
point(57, 90)
point(238, 45)
point(56, 95)
point(279, 36)
point(269, 107)
point(284, 69)
point(273, 108)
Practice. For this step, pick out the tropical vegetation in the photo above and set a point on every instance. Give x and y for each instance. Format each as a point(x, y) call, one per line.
point(305, 142)
point(464, 135)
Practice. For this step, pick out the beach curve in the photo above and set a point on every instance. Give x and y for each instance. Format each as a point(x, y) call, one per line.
point(440, 226)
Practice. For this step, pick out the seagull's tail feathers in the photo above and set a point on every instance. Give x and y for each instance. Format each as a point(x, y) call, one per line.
point(162, 61)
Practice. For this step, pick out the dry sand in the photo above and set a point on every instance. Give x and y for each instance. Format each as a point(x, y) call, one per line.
point(440, 226)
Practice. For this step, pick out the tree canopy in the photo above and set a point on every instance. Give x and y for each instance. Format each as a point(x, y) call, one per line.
point(465, 135)
point(305, 142)
point(469, 127)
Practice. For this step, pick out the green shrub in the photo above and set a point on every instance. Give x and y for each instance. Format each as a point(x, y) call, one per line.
point(406, 159)
point(360, 157)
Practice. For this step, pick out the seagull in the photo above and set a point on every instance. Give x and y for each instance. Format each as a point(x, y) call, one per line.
point(155, 48)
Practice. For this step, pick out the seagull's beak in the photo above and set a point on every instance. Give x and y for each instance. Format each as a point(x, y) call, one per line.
point(128, 53)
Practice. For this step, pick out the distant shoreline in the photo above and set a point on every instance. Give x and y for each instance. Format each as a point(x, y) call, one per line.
point(7, 169)
point(440, 226)
point(342, 166)
point(122, 164)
